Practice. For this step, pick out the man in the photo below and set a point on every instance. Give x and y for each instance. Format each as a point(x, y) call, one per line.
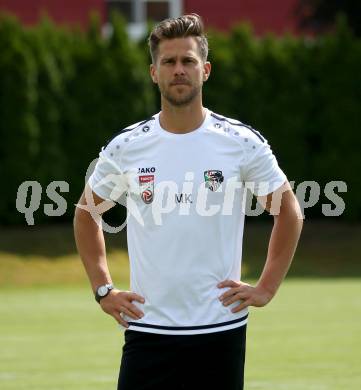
point(184, 172)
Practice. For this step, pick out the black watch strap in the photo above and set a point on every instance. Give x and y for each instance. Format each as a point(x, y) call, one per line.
point(103, 291)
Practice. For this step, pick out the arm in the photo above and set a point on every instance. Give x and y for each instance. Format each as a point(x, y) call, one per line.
point(283, 205)
point(90, 243)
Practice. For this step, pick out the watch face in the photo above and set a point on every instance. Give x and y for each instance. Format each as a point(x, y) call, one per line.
point(102, 291)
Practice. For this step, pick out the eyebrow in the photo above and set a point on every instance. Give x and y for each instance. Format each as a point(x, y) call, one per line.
point(186, 57)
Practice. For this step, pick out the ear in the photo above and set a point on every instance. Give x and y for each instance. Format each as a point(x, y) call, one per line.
point(153, 73)
point(206, 70)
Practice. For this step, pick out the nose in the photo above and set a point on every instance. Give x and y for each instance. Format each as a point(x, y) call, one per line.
point(179, 69)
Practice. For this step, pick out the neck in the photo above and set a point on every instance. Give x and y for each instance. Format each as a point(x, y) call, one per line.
point(182, 119)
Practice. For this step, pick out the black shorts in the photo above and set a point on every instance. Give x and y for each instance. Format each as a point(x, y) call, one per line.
point(173, 362)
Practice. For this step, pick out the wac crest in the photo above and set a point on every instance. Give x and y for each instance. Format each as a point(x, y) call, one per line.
point(213, 179)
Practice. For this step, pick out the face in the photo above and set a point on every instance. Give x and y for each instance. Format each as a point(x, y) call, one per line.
point(179, 70)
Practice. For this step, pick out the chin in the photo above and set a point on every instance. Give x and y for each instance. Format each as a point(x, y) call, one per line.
point(180, 102)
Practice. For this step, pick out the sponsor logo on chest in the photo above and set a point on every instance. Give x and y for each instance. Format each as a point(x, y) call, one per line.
point(146, 185)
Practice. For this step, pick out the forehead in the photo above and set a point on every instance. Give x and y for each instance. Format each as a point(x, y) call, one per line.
point(178, 47)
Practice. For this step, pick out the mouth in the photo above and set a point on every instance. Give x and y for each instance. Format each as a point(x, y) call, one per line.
point(179, 83)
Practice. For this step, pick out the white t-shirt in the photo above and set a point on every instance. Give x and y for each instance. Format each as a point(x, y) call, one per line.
point(185, 200)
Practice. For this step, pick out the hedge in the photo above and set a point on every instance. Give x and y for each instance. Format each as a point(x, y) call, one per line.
point(64, 92)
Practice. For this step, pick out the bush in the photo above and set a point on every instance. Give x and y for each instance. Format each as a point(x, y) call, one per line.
point(19, 128)
point(64, 93)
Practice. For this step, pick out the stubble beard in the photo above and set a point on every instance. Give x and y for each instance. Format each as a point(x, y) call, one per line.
point(183, 100)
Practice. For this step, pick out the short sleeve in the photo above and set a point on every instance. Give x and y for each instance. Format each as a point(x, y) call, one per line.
point(262, 173)
point(107, 179)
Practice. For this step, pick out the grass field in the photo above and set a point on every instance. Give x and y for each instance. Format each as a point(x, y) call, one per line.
point(53, 335)
point(57, 338)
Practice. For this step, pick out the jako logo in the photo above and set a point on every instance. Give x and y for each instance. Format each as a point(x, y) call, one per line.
point(146, 170)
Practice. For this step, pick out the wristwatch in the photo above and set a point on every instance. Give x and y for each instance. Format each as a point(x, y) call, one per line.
point(103, 291)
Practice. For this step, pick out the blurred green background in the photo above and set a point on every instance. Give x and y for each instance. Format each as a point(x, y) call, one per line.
point(64, 92)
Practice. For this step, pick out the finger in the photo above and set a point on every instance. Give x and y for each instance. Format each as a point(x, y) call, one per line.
point(234, 298)
point(242, 306)
point(228, 293)
point(120, 319)
point(129, 313)
point(227, 283)
point(135, 297)
point(133, 309)
point(243, 288)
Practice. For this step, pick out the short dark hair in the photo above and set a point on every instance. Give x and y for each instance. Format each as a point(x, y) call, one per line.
point(185, 26)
